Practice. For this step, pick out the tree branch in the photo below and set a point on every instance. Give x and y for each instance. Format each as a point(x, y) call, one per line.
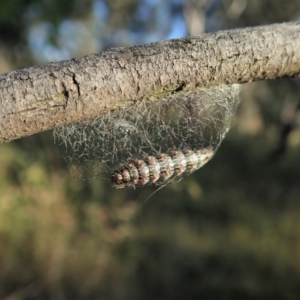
point(43, 97)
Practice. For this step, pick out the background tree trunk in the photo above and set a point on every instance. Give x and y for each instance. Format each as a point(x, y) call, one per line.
point(43, 97)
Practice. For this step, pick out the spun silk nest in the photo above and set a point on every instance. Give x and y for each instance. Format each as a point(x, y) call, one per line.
point(160, 135)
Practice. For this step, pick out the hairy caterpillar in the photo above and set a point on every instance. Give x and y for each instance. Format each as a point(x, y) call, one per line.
point(161, 167)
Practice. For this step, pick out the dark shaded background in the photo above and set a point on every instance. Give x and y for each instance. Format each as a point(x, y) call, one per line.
point(230, 231)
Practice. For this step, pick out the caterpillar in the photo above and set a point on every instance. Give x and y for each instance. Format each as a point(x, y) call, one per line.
point(160, 169)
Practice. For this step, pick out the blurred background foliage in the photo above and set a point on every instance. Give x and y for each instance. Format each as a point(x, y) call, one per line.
point(229, 231)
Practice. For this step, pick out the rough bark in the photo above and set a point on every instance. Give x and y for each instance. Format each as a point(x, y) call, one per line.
point(43, 97)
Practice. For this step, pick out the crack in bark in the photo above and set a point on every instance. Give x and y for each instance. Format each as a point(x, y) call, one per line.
point(76, 84)
point(65, 92)
point(35, 109)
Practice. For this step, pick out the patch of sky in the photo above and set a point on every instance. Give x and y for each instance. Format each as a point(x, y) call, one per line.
point(178, 28)
point(143, 11)
point(158, 21)
point(38, 38)
point(70, 38)
point(153, 21)
point(100, 10)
